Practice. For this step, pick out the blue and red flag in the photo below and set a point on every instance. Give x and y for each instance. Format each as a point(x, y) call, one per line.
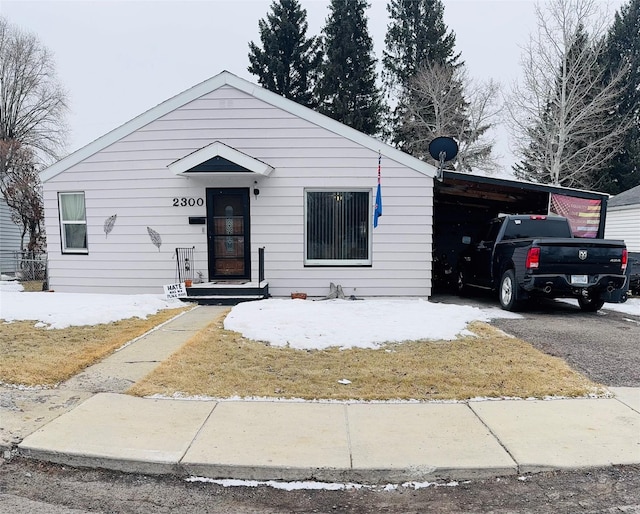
point(377, 212)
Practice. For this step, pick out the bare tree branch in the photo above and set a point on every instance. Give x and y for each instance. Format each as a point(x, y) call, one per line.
point(32, 127)
point(445, 102)
point(561, 112)
point(20, 186)
point(32, 103)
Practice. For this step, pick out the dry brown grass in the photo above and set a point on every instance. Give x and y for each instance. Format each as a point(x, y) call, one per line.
point(220, 363)
point(32, 286)
point(37, 356)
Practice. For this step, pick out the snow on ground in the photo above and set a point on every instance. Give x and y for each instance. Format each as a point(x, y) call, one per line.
point(303, 324)
point(327, 486)
point(631, 306)
point(62, 310)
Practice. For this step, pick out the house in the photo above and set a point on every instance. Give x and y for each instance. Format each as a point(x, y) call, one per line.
point(251, 188)
point(623, 222)
point(10, 235)
point(623, 218)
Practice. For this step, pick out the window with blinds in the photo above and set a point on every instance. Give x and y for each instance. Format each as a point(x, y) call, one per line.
point(337, 228)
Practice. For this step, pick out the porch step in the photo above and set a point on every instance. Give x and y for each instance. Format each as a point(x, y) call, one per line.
point(221, 300)
point(226, 294)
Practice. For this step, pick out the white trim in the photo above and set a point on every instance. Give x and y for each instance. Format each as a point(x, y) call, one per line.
point(223, 79)
point(183, 165)
point(65, 249)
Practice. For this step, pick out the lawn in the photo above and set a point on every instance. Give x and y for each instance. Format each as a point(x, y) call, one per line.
point(34, 356)
point(220, 363)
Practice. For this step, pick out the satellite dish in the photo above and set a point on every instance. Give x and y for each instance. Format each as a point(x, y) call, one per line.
point(443, 149)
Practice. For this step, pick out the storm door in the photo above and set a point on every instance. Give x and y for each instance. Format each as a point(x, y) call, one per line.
point(228, 233)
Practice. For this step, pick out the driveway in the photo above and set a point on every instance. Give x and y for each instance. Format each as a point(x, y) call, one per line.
point(604, 346)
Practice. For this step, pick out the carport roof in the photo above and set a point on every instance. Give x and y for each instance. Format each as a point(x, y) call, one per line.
point(500, 189)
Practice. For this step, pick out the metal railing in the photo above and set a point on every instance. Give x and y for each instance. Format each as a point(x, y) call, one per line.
point(260, 264)
point(184, 263)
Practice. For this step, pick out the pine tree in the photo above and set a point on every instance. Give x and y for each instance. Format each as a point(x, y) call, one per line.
point(416, 35)
point(419, 51)
point(347, 90)
point(623, 48)
point(288, 61)
point(416, 40)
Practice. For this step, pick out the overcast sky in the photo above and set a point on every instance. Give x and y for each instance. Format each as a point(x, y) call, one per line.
point(119, 58)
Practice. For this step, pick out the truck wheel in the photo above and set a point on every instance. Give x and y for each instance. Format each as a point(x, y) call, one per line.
point(590, 304)
point(509, 292)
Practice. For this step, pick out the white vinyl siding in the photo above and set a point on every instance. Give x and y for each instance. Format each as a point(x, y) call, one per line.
point(130, 179)
point(624, 223)
point(10, 234)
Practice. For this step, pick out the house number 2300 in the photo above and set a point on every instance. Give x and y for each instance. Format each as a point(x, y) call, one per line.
point(188, 202)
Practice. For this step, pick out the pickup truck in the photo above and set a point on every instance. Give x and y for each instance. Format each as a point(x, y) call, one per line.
point(528, 256)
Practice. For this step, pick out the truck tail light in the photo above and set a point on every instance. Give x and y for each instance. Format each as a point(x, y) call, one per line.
point(537, 217)
point(625, 258)
point(533, 258)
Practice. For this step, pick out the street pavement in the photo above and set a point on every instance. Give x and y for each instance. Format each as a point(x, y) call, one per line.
point(89, 422)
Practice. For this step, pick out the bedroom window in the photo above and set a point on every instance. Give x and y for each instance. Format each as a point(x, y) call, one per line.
point(73, 222)
point(337, 228)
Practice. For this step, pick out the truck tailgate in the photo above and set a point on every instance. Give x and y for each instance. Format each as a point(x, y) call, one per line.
point(580, 256)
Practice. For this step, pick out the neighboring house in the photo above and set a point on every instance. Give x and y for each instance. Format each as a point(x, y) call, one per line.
point(228, 168)
point(9, 239)
point(623, 218)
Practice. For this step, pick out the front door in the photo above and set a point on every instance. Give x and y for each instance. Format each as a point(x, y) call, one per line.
point(228, 233)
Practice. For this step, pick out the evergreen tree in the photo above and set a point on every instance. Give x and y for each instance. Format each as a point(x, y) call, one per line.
point(416, 39)
point(288, 61)
point(416, 36)
point(347, 89)
point(623, 49)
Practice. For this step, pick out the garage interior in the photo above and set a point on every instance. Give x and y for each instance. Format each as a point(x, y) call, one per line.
point(463, 203)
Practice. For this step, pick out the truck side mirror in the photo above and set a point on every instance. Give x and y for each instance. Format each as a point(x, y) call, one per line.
point(466, 240)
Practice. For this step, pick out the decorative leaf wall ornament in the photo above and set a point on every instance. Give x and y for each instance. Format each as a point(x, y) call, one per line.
point(108, 224)
point(155, 237)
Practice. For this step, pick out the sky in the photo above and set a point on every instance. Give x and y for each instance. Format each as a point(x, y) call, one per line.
point(117, 58)
point(300, 324)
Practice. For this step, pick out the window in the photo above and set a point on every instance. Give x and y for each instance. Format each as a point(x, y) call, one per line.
point(337, 228)
point(73, 222)
point(532, 228)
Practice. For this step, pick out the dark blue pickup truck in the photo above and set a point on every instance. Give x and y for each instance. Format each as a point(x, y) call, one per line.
point(529, 256)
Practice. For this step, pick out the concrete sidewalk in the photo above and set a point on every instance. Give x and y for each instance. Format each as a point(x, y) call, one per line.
point(22, 411)
point(343, 442)
point(355, 442)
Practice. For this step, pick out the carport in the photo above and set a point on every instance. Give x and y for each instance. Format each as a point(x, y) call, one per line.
point(464, 202)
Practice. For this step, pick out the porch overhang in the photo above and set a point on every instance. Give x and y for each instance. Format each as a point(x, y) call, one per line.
point(217, 159)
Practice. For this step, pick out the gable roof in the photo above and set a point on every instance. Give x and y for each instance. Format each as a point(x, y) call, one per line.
point(228, 79)
point(218, 158)
point(628, 197)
